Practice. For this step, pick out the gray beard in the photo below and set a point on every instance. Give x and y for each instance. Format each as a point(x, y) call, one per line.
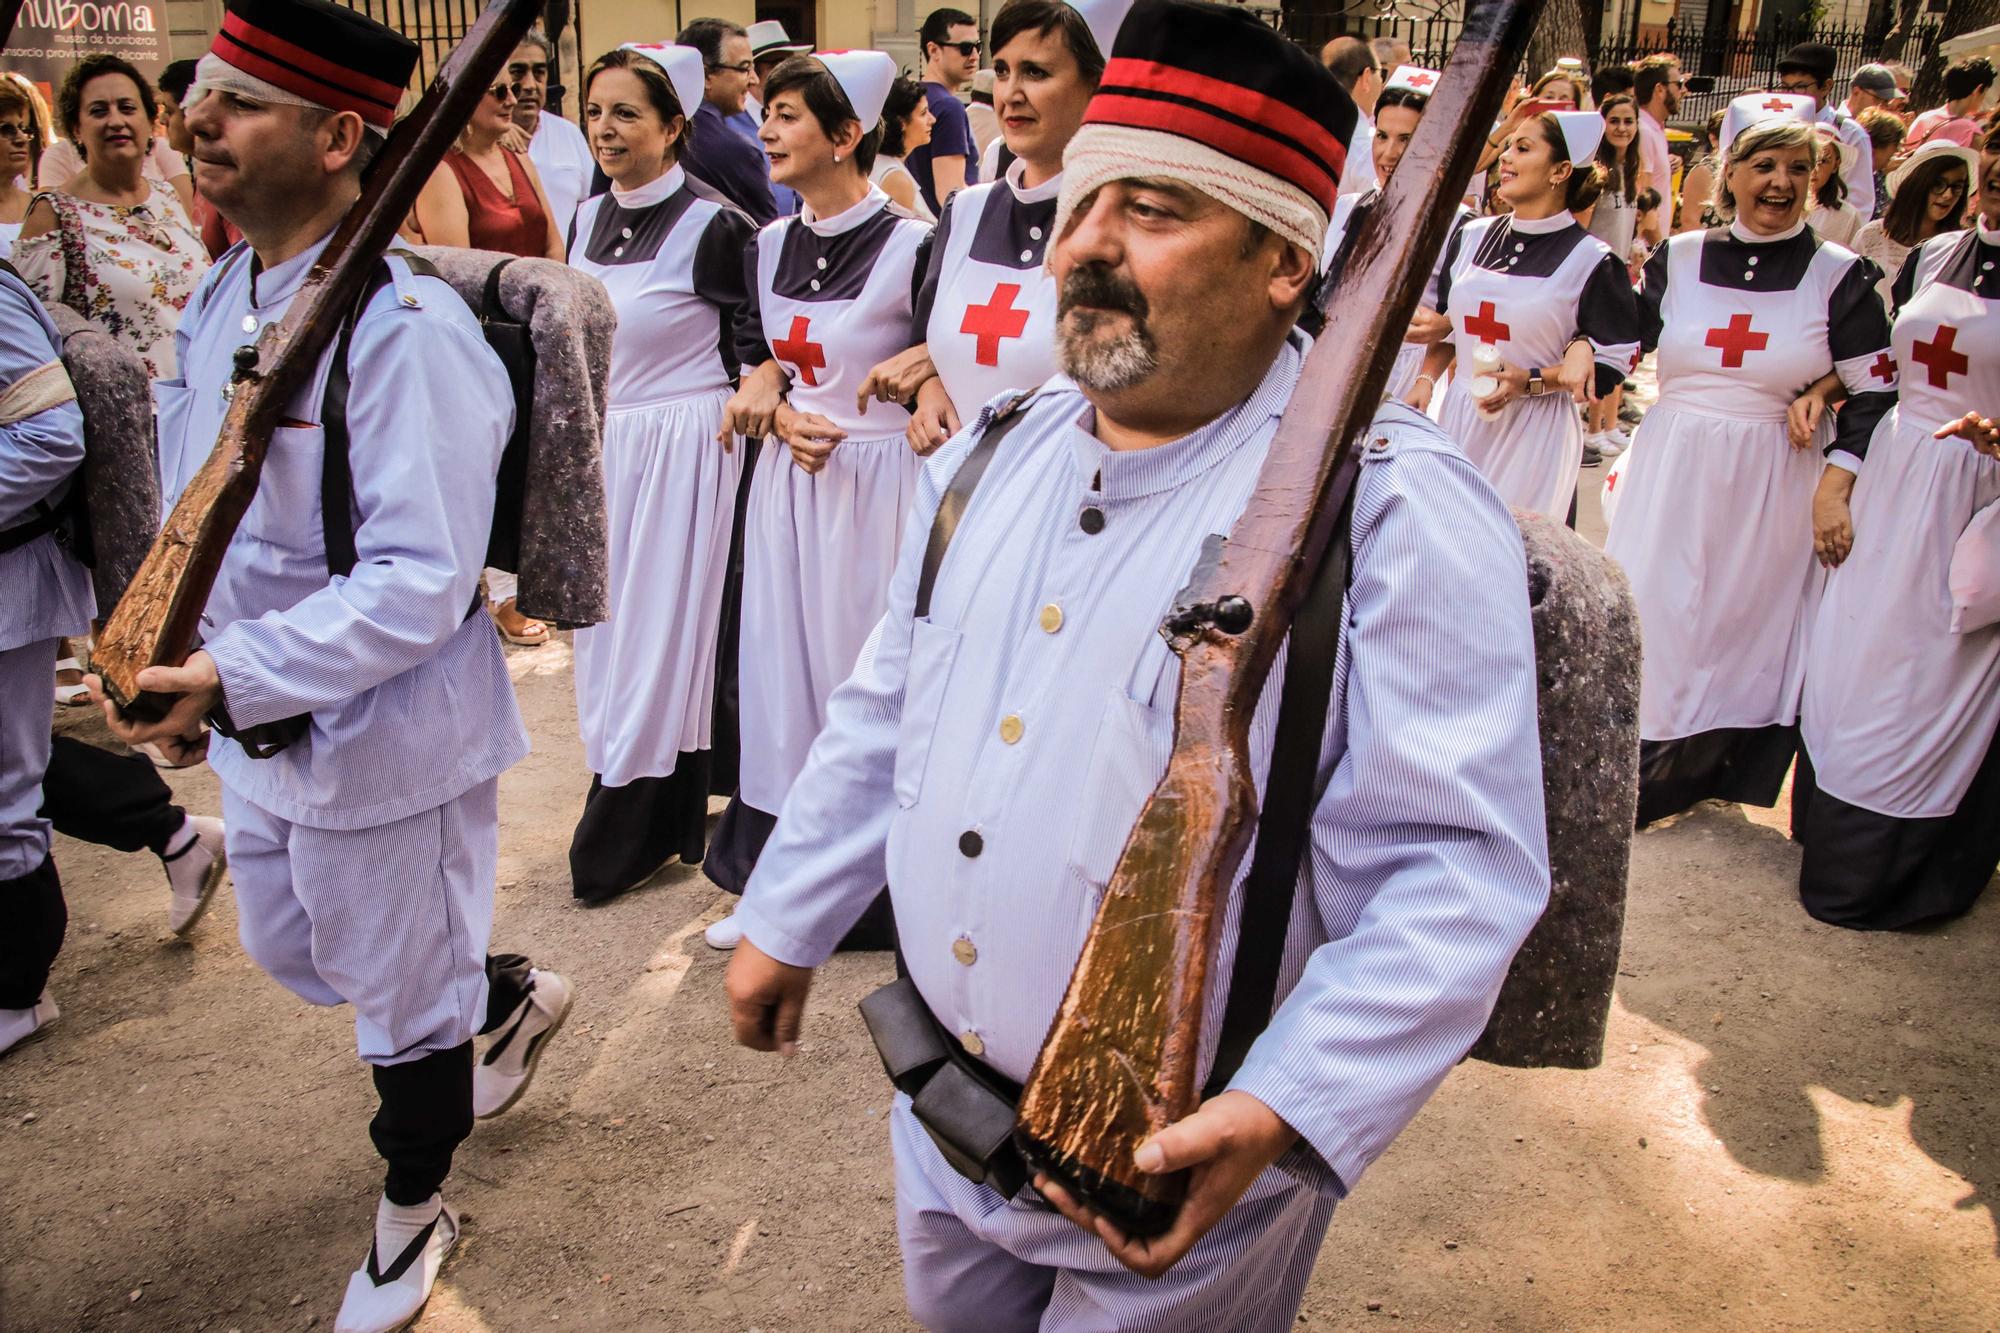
point(1104, 366)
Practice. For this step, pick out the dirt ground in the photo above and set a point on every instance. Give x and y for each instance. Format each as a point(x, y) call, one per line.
point(1793, 1127)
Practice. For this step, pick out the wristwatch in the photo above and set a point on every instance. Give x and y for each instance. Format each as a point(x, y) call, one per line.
point(1535, 386)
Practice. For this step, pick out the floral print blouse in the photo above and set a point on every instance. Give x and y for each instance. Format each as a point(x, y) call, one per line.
point(130, 269)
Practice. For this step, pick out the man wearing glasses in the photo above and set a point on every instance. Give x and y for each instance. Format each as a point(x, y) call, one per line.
point(950, 161)
point(716, 155)
point(1807, 70)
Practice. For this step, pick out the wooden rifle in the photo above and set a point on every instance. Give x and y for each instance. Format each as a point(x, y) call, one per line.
point(155, 622)
point(1119, 1062)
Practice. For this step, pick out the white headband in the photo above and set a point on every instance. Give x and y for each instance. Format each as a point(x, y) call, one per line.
point(213, 74)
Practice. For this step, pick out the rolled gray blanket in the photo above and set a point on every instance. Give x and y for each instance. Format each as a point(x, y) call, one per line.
point(1556, 1000)
point(564, 574)
point(121, 469)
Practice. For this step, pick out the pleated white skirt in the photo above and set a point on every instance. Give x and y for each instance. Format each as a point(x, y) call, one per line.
point(1530, 452)
point(819, 551)
point(1714, 529)
point(646, 677)
point(1899, 710)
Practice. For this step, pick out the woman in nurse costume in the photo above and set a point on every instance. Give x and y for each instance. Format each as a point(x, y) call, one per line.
point(830, 294)
point(670, 253)
point(1397, 111)
point(1714, 519)
point(985, 317)
point(1543, 318)
point(1897, 798)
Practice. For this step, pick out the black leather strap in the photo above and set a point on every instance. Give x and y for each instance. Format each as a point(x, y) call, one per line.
point(958, 495)
point(1291, 794)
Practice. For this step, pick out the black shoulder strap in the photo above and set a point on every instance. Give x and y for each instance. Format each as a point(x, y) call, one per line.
point(336, 476)
point(1291, 793)
point(959, 494)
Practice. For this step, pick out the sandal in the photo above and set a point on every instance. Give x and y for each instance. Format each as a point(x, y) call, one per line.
point(71, 694)
point(518, 629)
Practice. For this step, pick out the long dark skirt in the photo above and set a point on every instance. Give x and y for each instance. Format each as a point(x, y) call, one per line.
point(627, 833)
point(1868, 871)
point(725, 732)
point(1745, 764)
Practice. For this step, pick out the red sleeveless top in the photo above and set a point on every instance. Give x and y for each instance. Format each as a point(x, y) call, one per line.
point(516, 226)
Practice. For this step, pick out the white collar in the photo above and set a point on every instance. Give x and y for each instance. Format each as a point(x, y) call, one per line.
point(1991, 235)
point(1048, 189)
point(848, 218)
point(653, 191)
point(1547, 226)
point(1748, 237)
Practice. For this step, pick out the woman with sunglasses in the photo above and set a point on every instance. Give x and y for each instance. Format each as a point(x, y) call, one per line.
point(1715, 523)
point(1897, 797)
point(487, 197)
point(670, 253)
point(984, 319)
point(21, 144)
point(829, 296)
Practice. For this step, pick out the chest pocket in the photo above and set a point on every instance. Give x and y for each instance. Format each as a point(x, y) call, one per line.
point(1128, 756)
point(933, 648)
point(285, 511)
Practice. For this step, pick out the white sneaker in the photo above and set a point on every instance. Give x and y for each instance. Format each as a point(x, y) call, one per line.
point(725, 934)
point(194, 871)
point(502, 1074)
point(384, 1297)
point(1613, 443)
point(17, 1025)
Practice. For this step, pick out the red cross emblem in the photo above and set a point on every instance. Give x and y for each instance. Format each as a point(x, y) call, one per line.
point(993, 321)
point(807, 356)
point(1736, 339)
point(1940, 358)
point(1486, 327)
point(1884, 368)
point(1778, 104)
point(1420, 80)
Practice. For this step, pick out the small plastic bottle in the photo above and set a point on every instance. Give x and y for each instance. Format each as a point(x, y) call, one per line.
point(1485, 362)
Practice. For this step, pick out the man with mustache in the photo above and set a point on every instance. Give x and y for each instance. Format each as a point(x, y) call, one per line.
point(364, 849)
point(994, 746)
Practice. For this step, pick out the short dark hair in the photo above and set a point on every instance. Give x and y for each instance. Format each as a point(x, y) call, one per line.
point(904, 94)
point(177, 78)
point(1612, 79)
point(1654, 73)
point(1044, 16)
point(659, 91)
point(827, 101)
point(707, 36)
point(1403, 97)
point(1905, 213)
point(1347, 59)
point(69, 101)
point(937, 26)
point(1967, 77)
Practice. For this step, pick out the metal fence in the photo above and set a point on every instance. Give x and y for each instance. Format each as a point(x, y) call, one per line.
point(434, 25)
point(1736, 62)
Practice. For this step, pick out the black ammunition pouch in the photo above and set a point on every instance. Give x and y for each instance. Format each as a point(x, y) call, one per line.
point(266, 738)
point(966, 1107)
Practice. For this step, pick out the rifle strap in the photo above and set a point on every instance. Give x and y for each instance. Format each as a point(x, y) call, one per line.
point(1291, 794)
point(958, 495)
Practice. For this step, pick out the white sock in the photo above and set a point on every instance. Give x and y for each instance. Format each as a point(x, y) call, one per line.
point(396, 1226)
point(183, 838)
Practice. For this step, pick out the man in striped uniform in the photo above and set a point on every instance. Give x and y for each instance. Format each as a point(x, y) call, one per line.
point(364, 850)
point(991, 751)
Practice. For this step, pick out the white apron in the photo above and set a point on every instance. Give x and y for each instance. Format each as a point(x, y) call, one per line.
point(992, 326)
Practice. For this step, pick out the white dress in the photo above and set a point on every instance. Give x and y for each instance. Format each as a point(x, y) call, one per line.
point(1714, 517)
point(887, 169)
point(987, 306)
point(1529, 288)
point(1349, 210)
point(832, 299)
point(644, 679)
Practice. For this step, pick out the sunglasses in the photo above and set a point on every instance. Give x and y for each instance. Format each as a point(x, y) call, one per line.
point(15, 132)
point(966, 49)
point(501, 92)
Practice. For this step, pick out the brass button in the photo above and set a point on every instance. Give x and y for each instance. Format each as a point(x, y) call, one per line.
point(1011, 728)
point(964, 951)
point(1052, 617)
point(971, 1042)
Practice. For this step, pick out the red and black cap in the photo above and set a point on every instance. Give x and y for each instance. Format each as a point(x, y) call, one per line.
point(1216, 75)
point(323, 53)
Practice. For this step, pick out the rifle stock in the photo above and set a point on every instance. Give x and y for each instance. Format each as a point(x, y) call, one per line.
point(1119, 1062)
point(156, 621)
